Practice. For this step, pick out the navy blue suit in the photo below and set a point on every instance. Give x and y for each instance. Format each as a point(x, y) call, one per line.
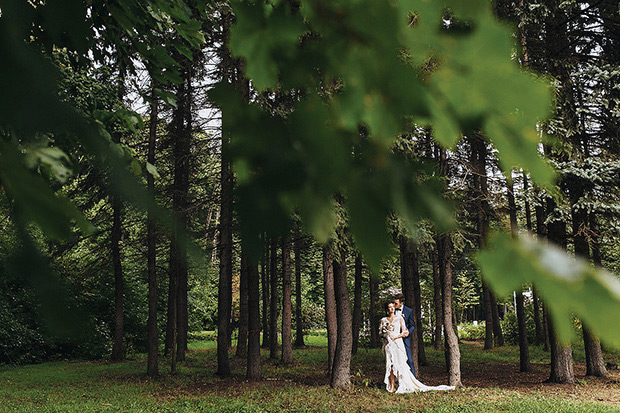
point(407, 314)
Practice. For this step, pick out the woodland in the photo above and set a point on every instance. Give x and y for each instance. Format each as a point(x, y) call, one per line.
point(205, 205)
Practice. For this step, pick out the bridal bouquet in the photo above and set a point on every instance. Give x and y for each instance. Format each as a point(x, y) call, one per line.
point(386, 328)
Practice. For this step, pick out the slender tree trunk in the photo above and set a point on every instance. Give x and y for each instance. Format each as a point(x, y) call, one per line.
point(497, 327)
point(331, 320)
point(417, 296)
point(341, 371)
point(541, 327)
point(287, 310)
point(117, 347)
point(437, 299)
point(595, 364)
point(561, 359)
point(406, 279)
point(372, 311)
point(224, 301)
point(488, 317)
point(545, 322)
point(242, 338)
point(265, 291)
point(453, 354)
point(273, 307)
point(253, 370)
point(357, 303)
point(152, 365)
point(299, 322)
point(561, 354)
point(524, 352)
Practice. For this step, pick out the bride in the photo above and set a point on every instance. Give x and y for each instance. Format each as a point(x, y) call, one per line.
point(393, 329)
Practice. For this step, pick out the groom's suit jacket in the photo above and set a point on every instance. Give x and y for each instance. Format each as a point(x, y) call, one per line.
point(407, 314)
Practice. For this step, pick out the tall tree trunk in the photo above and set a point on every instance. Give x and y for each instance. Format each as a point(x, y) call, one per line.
point(561, 354)
point(488, 317)
point(299, 322)
point(417, 296)
point(287, 310)
point(115, 239)
point(242, 337)
point(524, 352)
point(341, 371)
point(152, 365)
point(561, 359)
point(265, 291)
point(372, 311)
point(541, 234)
point(224, 297)
point(406, 280)
point(357, 302)
point(453, 354)
point(437, 299)
point(331, 320)
point(253, 367)
point(595, 364)
point(497, 327)
point(273, 307)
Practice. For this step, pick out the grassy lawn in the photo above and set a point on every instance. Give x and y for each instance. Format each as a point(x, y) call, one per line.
point(492, 383)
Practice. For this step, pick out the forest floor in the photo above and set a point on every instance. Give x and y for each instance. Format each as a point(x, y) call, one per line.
point(491, 378)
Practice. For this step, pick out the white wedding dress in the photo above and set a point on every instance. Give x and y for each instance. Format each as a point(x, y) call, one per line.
point(396, 358)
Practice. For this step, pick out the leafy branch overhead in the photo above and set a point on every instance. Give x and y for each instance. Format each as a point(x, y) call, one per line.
point(369, 61)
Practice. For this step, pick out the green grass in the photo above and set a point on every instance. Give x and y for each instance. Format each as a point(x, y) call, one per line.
point(103, 387)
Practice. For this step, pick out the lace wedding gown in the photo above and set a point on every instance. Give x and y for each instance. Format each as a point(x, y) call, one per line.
point(396, 359)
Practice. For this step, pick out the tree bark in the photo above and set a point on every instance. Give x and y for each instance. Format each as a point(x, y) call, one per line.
point(299, 322)
point(273, 307)
point(287, 310)
point(265, 291)
point(253, 370)
point(452, 351)
point(417, 296)
point(331, 320)
point(406, 279)
point(595, 364)
point(524, 352)
point(497, 327)
point(372, 311)
point(341, 371)
point(357, 303)
point(437, 299)
point(115, 239)
point(242, 337)
point(152, 364)
point(488, 318)
point(224, 301)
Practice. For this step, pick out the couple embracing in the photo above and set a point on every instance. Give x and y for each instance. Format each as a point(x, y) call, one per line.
point(396, 329)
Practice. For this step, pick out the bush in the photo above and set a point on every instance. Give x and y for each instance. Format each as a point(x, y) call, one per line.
point(207, 335)
point(469, 331)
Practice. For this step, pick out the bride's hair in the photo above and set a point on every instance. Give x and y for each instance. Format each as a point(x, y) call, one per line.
point(387, 303)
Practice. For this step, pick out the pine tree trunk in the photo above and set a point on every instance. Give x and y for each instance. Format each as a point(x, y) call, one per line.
point(331, 320)
point(417, 296)
point(341, 371)
point(437, 299)
point(242, 337)
point(265, 294)
point(452, 351)
point(299, 322)
point(152, 365)
point(357, 303)
point(372, 311)
point(595, 364)
point(273, 307)
point(540, 334)
point(488, 318)
point(497, 327)
point(287, 309)
point(524, 352)
point(115, 239)
point(406, 279)
point(561, 355)
point(224, 302)
point(253, 370)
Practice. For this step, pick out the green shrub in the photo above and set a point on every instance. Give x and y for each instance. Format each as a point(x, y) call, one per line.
point(469, 331)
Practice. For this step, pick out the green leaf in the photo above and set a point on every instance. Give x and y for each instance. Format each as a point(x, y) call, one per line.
point(150, 168)
point(568, 285)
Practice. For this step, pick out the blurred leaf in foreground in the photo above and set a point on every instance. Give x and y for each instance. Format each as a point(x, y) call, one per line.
point(569, 286)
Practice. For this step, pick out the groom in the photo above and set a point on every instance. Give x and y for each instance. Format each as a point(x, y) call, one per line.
point(407, 313)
